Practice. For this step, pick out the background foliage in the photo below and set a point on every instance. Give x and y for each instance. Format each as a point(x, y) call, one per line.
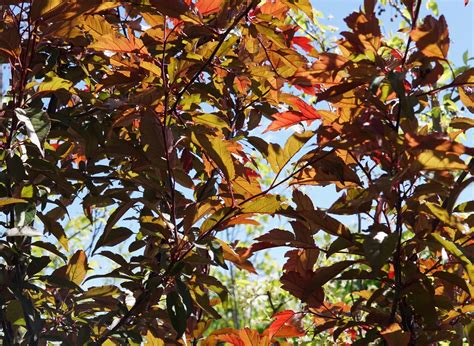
point(152, 118)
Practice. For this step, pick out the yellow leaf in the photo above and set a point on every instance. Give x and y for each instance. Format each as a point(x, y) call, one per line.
point(52, 83)
point(218, 151)
point(76, 269)
point(152, 340)
point(436, 161)
point(7, 201)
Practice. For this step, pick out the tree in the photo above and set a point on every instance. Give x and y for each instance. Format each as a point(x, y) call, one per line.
point(153, 111)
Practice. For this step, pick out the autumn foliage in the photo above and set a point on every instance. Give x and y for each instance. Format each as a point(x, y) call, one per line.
point(159, 111)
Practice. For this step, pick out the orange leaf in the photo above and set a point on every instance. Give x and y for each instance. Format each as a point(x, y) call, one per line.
point(284, 325)
point(207, 7)
point(432, 37)
point(286, 119)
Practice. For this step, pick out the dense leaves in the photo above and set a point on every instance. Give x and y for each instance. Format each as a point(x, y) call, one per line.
point(159, 113)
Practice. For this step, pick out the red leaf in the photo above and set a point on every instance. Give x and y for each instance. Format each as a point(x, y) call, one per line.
point(396, 54)
point(207, 7)
point(304, 43)
point(286, 119)
point(284, 325)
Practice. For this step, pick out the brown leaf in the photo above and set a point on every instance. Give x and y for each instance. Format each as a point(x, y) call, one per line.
point(432, 37)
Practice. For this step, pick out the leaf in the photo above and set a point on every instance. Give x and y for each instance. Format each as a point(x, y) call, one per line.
point(432, 37)
point(55, 228)
point(52, 83)
point(279, 157)
point(116, 236)
point(453, 248)
point(9, 200)
point(76, 269)
point(462, 123)
point(284, 325)
point(443, 215)
point(325, 274)
point(264, 205)
point(302, 5)
point(395, 336)
point(41, 8)
point(455, 280)
point(101, 291)
point(218, 151)
point(119, 43)
point(378, 252)
point(174, 9)
point(207, 7)
point(301, 288)
point(24, 231)
point(286, 119)
point(431, 160)
point(304, 43)
point(14, 313)
point(51, 248)
point(183, 291)
point(211, 120)
point(37, 126)
point(176, 312)
point(110, 236)
point(239, 259)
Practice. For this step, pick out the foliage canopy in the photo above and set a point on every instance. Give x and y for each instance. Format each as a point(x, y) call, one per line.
point(156, 111)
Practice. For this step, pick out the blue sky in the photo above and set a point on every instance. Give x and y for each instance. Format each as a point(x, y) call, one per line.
point(460, 20)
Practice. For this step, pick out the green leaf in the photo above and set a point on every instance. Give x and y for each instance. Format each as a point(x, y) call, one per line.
point(211, 120)
point(185, 296)
point(453, 248)
point(218, 151)
point(51, 248)
point(378, 252)
point(264, 205)
point(101, 291)
point(37, 125)
point(53, 83)
point(14, 313)
point(176, 312)
point(24, 214)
